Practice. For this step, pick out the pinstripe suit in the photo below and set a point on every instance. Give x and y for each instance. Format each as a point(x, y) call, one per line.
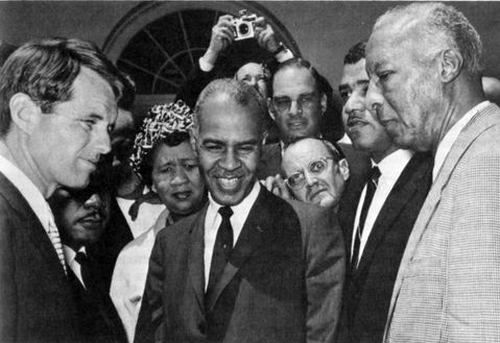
point(448, 284)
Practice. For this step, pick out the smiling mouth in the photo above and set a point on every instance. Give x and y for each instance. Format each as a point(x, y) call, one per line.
point(228, 183)
point(182, 195)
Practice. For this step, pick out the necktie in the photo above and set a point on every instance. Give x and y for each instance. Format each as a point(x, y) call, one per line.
point(222, 248)
point(83, 261)
point(371, 187)
point(53, 233)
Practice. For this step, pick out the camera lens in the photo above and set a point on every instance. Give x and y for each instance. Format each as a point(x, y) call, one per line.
point(243, 29)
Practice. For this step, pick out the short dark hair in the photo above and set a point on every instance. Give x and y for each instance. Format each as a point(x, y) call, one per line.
point(45, 71)
point(356, 53)
point(240, 92)
point(127, 98)
point(300, 63)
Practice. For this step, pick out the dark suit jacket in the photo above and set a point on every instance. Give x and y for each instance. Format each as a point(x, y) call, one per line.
point(270, 161)
point(368, 290)
point(274, 289)
point(116, 235)
point(97, 316)
point(36, 303)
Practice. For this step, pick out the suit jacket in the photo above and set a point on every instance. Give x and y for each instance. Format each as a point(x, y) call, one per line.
point(448, 284)
point(270, 161)
point(369, 288)
point(97, 316)
point(36, 302)
point(116, 235)
point(274, 289)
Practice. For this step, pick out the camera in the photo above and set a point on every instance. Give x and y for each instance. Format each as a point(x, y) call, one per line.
point(244, 25)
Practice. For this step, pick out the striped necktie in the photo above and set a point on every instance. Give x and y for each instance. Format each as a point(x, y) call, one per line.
point(53, 233)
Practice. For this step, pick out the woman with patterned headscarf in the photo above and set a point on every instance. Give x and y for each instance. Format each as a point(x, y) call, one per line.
point(164, 160)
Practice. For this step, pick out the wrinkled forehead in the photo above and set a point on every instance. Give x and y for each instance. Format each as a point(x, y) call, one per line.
point(354, 73)
point(299, 155)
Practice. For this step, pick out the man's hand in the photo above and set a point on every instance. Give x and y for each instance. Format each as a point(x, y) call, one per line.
point(264, 34)
point(277, 186)
point(222, 37)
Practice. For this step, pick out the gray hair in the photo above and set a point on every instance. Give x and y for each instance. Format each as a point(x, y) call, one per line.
point(445, 19)
point(242, 94)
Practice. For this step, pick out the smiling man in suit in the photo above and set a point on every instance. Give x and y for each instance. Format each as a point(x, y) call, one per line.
point(249, 267)
point(425, 60)
point(57, 105)
point(379, 213)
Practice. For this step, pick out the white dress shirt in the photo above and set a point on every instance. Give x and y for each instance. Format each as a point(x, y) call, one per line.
point(390, 168)
point(146, 218)
point(213, 220)
point(29, 191)
point(445, 145)
point(130, 273)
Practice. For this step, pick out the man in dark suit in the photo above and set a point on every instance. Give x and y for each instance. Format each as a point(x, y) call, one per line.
point(81, 216)
point(378, 214)
point(57, 105)
point(298, 105)
point(248, 267)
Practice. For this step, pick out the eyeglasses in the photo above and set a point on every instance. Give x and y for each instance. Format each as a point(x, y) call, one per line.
point(281, 104)
point(298, 180)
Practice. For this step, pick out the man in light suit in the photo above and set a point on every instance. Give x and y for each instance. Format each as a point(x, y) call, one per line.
point(248, 267)
point(377, 245)
point(424, 59)
point(57, 106)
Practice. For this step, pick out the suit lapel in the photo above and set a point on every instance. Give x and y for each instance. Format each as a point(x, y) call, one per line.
point(196, 259)
point(250, 239)
point(32, 227)
point(402, 192)
point(479, 123)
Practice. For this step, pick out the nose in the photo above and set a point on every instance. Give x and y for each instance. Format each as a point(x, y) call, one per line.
point(310, 178)
point(103, 141)
point(94, 201)
point(295, 108)
point(374, 99)
point(180, 176)
point(356, 102)
point(230, 160)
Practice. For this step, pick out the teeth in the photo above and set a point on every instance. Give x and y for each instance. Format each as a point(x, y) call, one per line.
point(182, 195)
point(228, 182)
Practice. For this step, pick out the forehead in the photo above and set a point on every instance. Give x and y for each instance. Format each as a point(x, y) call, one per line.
point(353, 73)
point(91, 94)
point(165, 153)
point(293, 81)
point(299, 155)
point(223, 119)
point(250, 69)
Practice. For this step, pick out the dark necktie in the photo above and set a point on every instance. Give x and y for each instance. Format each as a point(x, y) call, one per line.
point(85, 270)
point(371, 187)
point(222, 248)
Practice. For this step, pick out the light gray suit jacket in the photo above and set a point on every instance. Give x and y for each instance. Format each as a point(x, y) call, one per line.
point(448, 284)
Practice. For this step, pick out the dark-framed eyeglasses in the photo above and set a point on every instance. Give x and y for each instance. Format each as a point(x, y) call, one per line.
point(282, 104)
point(298, 180)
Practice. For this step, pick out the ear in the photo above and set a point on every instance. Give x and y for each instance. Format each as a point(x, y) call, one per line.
point(344, 169)
point(451, 65)
point(193, 139)
point(25, 113)
point(272, 114)
point(323, 103)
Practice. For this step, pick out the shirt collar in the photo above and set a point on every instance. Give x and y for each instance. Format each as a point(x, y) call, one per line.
point(451, 136)
point(243, 208)
point(28, 190)
point(392, 165)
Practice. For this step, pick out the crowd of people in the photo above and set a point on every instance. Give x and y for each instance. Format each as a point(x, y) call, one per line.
point(241, 212)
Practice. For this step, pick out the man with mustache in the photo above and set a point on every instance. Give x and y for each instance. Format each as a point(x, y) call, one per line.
point(424, 59)
point(377, 213)
point(82, 216)
point(248, 267)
